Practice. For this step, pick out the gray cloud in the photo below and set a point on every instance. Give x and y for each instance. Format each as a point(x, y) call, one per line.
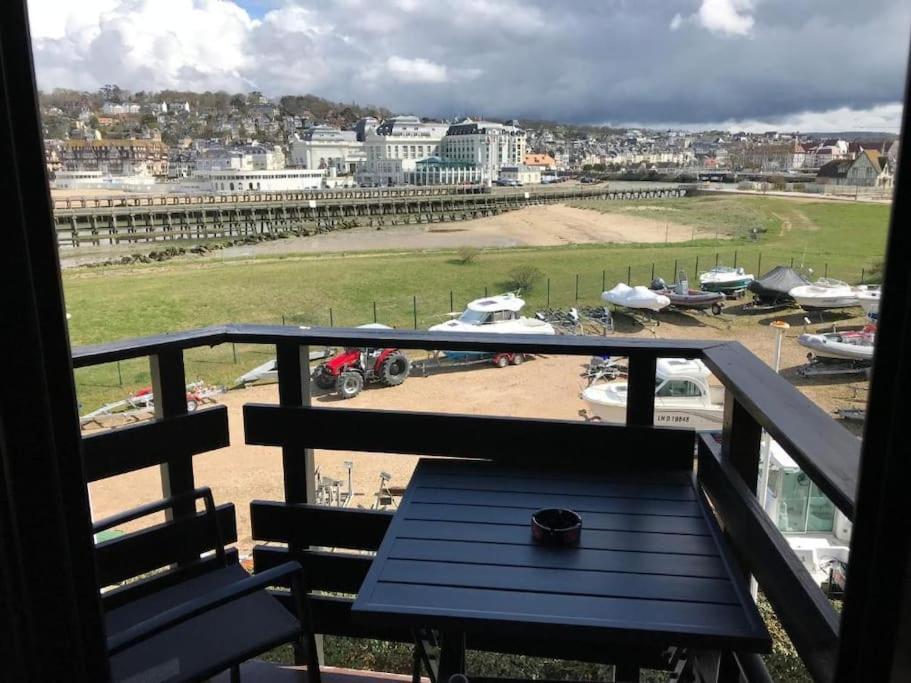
point(587, 61)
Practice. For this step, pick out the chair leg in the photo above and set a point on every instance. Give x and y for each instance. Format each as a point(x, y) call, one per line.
point(415, 665)
point(235, 673)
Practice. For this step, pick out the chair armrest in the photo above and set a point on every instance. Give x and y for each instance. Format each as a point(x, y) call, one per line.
point(149, 508)
point(177, 615)
point(203, 492)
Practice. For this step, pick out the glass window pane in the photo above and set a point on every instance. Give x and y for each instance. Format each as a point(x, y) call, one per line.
point(795, 494)
point(821, 514)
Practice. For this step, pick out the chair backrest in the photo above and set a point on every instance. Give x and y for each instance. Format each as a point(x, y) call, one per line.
point(335, 547)
point(183, 546)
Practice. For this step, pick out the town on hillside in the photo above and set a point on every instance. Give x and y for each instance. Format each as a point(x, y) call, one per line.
point(173, 141)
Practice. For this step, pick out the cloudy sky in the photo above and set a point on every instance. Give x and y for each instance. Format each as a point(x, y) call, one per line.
point(789, 64)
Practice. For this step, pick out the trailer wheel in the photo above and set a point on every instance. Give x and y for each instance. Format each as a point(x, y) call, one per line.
point(395, 369)
point(716, 309)
point(518, 359)
point(349, 384)
point(501, 360)
point(324, 379)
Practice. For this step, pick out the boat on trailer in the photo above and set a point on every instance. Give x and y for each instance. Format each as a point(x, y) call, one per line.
point(731, 281)
point(868, 298)
point(636, 298)
point(825, 294)
point(684, 398)
point(499, 314)
point(773, 290)
point(855, 345)
point(682, 297)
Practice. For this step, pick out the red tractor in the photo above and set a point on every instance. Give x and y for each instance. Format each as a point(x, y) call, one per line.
point(348, 371)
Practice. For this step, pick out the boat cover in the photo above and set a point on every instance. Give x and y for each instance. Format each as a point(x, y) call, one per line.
point(635, 297)
point(777, 283)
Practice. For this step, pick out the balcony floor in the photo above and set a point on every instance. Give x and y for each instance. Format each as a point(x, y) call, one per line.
point(256, 671)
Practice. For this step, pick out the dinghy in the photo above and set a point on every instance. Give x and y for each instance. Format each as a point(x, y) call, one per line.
point(853, 346)
point(682, 297)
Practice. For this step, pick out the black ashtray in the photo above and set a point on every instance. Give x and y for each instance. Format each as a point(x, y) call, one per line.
point(556, 526)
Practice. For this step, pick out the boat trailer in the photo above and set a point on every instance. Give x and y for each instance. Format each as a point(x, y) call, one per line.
point(816, 367)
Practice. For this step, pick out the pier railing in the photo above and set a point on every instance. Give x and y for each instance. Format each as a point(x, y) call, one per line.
point(756, 398)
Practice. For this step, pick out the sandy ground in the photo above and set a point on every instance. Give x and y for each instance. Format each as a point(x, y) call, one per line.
point(536, 226)
point(545, 387)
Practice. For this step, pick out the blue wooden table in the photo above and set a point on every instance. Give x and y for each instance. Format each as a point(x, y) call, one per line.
point(651, 568)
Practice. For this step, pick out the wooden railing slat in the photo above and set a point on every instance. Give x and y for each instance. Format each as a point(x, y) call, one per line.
point(125, 449)
point(304, 525)
point(521, 441)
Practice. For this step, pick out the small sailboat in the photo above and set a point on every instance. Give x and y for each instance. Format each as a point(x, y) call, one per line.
point(825, 294)
point(852, 346)
point(725, 279)
point(638, 297)
point(683, 397)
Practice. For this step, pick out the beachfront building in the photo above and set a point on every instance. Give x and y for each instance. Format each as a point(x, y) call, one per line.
point(395, 146)
point(324, 147)
point(275, 180)
point(521, 174)
point(436, 171)
point(488, 145)
point(255, 157)
point(116, 157)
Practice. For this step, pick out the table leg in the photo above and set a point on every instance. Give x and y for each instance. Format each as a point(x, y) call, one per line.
point(626, 673)
point(452, 655)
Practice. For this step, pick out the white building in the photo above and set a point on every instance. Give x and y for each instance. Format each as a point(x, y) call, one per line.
point(253, 157)
point(436, 171)
point(117, 109)
point(520, 174)
point(490, 146)
point(326, 147)
point(395, 146)
point(275, 180)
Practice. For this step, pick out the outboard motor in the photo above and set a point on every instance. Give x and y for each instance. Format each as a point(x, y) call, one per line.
point(658, 285)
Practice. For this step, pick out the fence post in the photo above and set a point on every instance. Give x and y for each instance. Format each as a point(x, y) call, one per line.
point(629, 275)
point(603, 280)
point(331, 319)
point(674, 274)
point(826, 272)
point(696, 274)
point(653, 273)
point(233, 351)
point(283, 318)
point(485, 293)
point(577, 286)
point(374, 311)
point(792, 262)
point(120, 376)
point(735, 258)
point(414, 308)
point(716, 258)
point(863, 272)
point(759, 265)
point(451, 304)
point(548, 292)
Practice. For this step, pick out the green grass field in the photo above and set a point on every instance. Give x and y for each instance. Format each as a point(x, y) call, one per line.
point(118, 302)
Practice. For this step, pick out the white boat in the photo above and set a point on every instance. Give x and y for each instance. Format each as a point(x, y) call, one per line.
point(635, 297)
point(868, 298)
point(854, 345)
point(824, 294)
point(493, 314)
point(683, 397)
point(725, 279)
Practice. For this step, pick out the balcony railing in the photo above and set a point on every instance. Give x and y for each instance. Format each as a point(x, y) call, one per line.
point(756, 398)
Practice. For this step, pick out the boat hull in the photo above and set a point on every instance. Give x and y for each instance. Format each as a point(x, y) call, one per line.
point(823, 346)
point(726, 286)
point(815, 303)
point(709, 418)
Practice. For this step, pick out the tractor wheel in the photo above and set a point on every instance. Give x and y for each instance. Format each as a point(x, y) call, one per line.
point(518, 358)
point(324, 379)
point(716, 309)
point(395, 369)
point(349, 384)
point(501, 360)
